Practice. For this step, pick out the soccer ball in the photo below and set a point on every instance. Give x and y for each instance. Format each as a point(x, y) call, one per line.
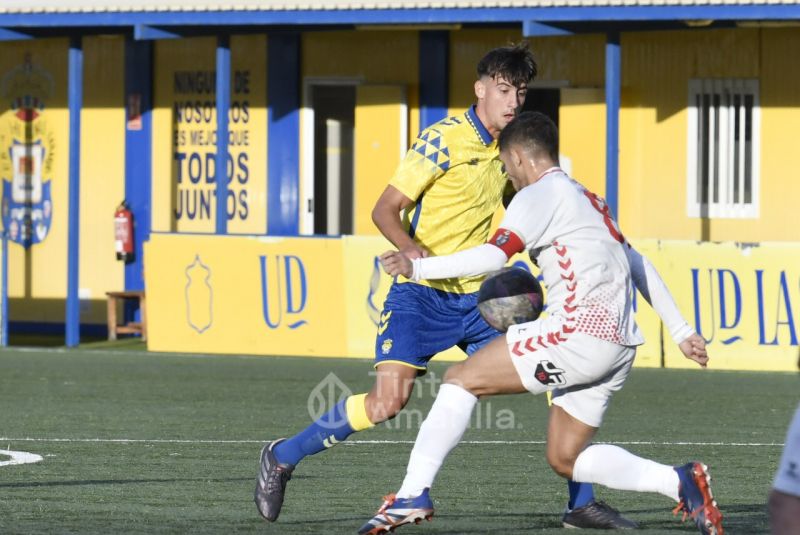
point(509, 297)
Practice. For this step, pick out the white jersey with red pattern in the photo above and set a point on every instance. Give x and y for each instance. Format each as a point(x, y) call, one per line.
point(581, 252)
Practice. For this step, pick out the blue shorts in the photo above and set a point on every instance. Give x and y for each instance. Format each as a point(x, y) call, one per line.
point(418, 321)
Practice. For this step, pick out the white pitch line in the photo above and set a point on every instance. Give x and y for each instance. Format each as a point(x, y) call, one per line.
point(374, 442)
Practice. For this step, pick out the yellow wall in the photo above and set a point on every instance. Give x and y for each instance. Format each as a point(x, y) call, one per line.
point(582, 136)
point(377, 139)
point(653, 132)
point(102, 170)
point(780, 115)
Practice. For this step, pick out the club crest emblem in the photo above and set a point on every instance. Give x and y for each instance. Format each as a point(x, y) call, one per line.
point(26, 154)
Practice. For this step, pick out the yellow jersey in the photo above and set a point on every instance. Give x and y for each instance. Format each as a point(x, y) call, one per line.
point(456, 179)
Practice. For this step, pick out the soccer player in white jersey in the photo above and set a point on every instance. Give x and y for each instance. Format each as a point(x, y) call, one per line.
point(582, 351)
point(440, 200)
point(784, 499)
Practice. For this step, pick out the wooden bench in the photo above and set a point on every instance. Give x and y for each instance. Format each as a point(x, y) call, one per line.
point(132, 327)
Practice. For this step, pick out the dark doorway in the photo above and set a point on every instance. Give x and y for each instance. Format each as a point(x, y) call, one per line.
point(334, 117)
point(543, 100)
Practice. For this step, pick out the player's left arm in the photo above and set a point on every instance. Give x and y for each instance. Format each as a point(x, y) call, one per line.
point(469, 262)
point(652, 287)
point(477, 260)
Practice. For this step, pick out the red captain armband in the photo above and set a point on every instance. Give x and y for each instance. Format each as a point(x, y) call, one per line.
point(508, 242)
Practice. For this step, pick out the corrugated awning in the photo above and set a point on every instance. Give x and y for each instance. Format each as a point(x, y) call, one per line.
point(122, 6)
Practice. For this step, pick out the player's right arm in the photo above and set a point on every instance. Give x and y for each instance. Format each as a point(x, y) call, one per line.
point(410, 180)
point(652, 287)
point(386, 216)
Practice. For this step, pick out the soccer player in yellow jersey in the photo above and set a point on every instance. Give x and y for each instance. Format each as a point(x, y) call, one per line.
point(440, 200)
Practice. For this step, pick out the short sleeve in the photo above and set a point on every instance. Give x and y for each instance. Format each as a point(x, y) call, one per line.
point(530, 213)
point(427, 160)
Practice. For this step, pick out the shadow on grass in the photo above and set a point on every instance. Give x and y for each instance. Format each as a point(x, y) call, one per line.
point(132, 343)
point(82, 482)
point(741, 518)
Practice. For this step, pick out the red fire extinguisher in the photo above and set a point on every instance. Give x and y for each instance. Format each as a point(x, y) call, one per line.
point(123, 233)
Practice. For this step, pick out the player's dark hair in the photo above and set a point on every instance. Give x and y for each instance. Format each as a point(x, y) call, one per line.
point(534, 132)
point(514, 63)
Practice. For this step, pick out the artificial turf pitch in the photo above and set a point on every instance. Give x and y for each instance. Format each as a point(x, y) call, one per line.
point(135, 442)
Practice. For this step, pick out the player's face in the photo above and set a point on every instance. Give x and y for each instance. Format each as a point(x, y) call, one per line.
point(498, 102)
point(513, 167)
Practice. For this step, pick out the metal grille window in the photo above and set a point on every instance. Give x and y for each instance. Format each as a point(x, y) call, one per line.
point(723, 159)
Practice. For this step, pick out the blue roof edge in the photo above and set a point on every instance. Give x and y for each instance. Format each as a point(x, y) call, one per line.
point(729, 12)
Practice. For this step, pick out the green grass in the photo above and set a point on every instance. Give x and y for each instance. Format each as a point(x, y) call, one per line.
point(135, 442)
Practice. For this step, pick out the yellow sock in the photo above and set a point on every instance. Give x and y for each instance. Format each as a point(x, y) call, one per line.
point(356, 409)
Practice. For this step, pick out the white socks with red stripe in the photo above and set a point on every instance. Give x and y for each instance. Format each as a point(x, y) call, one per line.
point(617, 468)
point(438, 434)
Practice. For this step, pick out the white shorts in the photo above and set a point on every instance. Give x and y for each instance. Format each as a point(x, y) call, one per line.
point(582, 371)
point(787, 480)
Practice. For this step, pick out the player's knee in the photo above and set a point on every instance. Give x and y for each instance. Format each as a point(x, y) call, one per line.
point(384, 406)
point(458, 375)
point(455, 376)
point(560, 463)
point(452, 374)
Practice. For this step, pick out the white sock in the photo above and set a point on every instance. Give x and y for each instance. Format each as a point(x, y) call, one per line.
point(438, 434)
point(617, 468)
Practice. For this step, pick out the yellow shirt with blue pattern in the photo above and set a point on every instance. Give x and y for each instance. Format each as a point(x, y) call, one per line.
point(456, 180)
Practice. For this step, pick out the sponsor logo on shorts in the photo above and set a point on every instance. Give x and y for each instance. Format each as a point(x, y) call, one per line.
point(386, 346)
point(548, 374)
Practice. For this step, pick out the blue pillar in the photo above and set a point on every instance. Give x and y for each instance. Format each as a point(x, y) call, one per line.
point(223, 106)
point(75, 102)
point(283, 134)
point(613, 84)
point(434, 74)
point(4, 294)
point(138, 152)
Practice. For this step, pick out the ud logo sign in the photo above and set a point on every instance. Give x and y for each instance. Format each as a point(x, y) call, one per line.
point(284, 291)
